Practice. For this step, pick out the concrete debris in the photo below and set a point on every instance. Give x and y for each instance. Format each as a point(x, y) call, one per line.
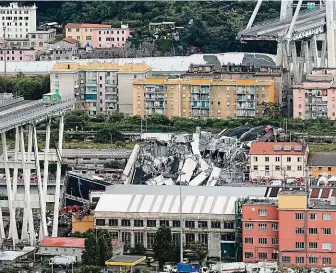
point(202, 158)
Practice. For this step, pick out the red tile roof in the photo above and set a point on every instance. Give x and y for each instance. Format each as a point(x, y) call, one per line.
point(280, 148)
point(72, 25)
point(70, 40)
point(63, 242)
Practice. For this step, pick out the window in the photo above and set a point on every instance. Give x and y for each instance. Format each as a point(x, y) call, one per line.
point(189, 224)
point(190, 238)
point(312, 260)
point(329, 169)
point(326, 260)
point(203, 238)
point(299, 159)
point(176, 223)
point(298, 216)
point(164, 223)
point(299, 230)
point(263, 241)
point(255, 159)
point(326, 216)
point(138, 223)
point(299, 245)
point(248, 255)
point(275, 256)
point(262, 255)
point(299, 168)
point(255, 168)
point(275, 241)
point(202, 224)
point(286, 259)
point(274, 227)
point(312, 245)
point(114, 235)
point(262, 226)
point(313, 216)
point(215, 224)
point(326, 231)
point(228, 225)
point(100, 222)
point(277, 168)
point(277, 159)
point(138, 238)
point(113, 222)
point(262, 212)
point(267, 159)
point(150, 240)
point(289, 168)
point(326, 246)
point(289, 159)
point(248, 240)
point(312, 230)
point(299, 260)
point(151, 223)
point(248, 226)
point(125, 222)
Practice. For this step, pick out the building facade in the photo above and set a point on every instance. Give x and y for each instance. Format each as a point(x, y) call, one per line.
point(17, 21)
point(41, 39)
point(278, 160)
point(322, 163)
point(305, 231)
point(193, 97)
point(57, 246)
point(138, 211)
point(100, 87)
point(16, 55)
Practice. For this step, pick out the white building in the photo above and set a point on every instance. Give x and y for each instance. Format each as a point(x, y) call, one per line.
point(278, 160)
point(133, 213)
point(17, 21)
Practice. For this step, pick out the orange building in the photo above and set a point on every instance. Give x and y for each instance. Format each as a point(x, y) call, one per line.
point(305, 230)
point(322, 163)
point(82, 224)
point(260, 230)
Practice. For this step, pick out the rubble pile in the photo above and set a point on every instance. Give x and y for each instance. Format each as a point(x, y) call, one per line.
point(199, 159)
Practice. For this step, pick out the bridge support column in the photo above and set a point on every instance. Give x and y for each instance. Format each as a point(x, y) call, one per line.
point(331, 26)
point(323, 53)
point(307, 57)
point(295, 64)
point(58, 177)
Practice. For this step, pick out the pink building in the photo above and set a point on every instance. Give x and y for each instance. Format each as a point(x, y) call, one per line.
point(315, 98)
point(110, 37)
point(16, 55)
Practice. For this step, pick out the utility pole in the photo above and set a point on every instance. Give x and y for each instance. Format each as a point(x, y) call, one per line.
point(5, 51)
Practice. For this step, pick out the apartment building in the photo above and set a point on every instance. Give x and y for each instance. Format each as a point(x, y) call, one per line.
point(17, 21)
point(98, 35)
point(278, 160)
point(192, 97)
point(16, 55)
point(236, 72)
point(305, 231)
point(41, 39)
point(66, 49)
point(100, 87)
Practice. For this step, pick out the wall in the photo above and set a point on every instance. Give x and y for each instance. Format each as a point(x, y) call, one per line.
point(299, 103)
point(316, 171)
point(292, 201)
point(251, 216)
point(272, 163)
point(110, 37)
point(18, 55)
point(332, 103)
point(83, 224)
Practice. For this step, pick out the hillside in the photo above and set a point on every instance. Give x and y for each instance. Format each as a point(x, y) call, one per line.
point(214, 29)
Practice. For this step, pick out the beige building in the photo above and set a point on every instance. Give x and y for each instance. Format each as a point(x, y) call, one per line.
point(100, 87)
point(193, 97)
point(278, 160)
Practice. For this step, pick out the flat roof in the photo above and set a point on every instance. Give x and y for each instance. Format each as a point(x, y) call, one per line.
point(166, 199)
point(72, 67)
point(125, 260)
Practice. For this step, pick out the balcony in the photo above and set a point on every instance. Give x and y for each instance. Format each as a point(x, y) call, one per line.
point(245, 113)
point(201, 105)
point(200, 90)
point(246, 105)
point(154, 89)
point(154, 97)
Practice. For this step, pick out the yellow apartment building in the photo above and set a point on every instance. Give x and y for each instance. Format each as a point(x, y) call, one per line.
point(201, 97)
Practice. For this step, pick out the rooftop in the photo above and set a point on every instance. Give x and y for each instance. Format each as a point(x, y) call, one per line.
point(203, 81)
point(278, 148)
point(81, 25)
point(63, 242)
point(70, 40)
point(166, 199)
point(70, 67)
point(177, 64)
point(125, 260)
point(261, 201)
point(292, 192)
point(322, 159)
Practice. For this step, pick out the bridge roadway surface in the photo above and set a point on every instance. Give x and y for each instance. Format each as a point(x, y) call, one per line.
point(28, 112)
point(274, 29)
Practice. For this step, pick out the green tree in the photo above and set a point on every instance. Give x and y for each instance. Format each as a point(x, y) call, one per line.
point(76, 120)
point(105, 249)
point(90, 269)
point(91, 249)
point(163, 245)
point(158, 119)
point(108, 135)
point(200, 250)
point(139, 249)
point(116, 117)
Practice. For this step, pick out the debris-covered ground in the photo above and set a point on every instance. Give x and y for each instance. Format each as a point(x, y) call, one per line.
point(202, 158)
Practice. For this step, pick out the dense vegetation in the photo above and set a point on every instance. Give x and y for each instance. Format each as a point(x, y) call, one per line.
point(214, 30)
point(30, 87)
